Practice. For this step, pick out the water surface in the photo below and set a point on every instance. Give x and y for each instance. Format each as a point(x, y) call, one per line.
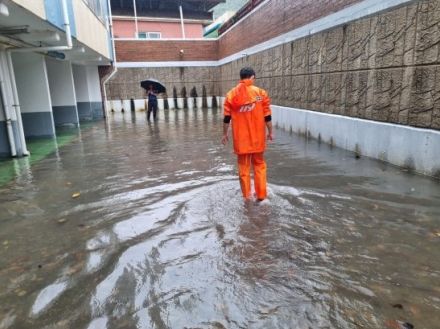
point(159, 236)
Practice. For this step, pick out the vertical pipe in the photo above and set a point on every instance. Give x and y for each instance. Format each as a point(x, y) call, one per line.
point(181, 22)
point(115, 68)
point(16, 104)
point(135, 19)
point(6, 108)
point(66, 23)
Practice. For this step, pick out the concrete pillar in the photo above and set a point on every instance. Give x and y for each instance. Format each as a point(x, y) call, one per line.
point(62, 92)
point(88, 92)
point(5, 150)
point(33, 93)
point(95, 96)
point(82, 92)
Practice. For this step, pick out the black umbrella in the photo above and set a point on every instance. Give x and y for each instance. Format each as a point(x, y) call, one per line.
point(157, 86)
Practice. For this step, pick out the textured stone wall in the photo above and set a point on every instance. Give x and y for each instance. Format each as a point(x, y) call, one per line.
point(126, 82)
point(385, 68)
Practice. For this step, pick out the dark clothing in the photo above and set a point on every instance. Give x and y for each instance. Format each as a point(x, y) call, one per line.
point(152, 107)
point(152, 97)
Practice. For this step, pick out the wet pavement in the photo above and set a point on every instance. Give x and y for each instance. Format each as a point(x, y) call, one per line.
point(141, 225)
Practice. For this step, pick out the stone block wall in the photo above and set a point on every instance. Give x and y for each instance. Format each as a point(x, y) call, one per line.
point(385, 68)
point(126, 82)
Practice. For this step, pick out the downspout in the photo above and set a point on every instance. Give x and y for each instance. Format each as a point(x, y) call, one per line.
point(7, 117)
point(115, 68)
point(16, 104)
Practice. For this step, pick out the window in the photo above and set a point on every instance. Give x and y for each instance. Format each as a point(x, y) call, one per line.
point(149, 35)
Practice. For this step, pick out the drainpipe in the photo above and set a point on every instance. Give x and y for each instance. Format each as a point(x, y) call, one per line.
point(16, 104)
point(181, 22)
point(115, 69)
point(8, 118)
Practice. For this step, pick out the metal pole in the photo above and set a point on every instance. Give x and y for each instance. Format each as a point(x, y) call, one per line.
point(181, 22)
point(135, 19)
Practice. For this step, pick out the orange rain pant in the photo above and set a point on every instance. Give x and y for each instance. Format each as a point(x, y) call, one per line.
point(244, 171)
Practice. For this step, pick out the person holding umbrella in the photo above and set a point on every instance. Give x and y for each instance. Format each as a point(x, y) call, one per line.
point(249, 109)
point(152, 102)
point(153, 88)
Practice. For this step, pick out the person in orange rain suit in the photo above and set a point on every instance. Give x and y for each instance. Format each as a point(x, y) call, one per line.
point(249, 109)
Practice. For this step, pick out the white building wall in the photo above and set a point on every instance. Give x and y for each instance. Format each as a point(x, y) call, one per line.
point(32, 83)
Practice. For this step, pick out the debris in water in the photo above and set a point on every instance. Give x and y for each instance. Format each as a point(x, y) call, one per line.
point(399, 306)
point(75, 195)
point(5, 243)
point(68, 183)
point(267, 311)
point(62, 220)
point(21, 293)
point(228, 242)
point(220, 230)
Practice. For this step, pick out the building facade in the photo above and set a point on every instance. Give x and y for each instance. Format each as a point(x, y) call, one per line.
point(172, 19)
point(50, 51)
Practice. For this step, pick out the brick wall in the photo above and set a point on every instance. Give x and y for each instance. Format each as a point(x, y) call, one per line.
point(274, 18)
point(166, 50)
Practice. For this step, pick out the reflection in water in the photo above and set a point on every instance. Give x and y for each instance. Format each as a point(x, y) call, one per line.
point(160, 237)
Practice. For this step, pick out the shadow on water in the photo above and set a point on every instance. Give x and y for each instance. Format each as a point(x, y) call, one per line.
point(159, 236)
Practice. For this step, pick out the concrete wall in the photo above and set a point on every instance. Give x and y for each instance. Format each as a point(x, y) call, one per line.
point(33, 93)
point(62, 92)
point(90, 30)
point(412, 148)
point(88, 92)
point(34, 6)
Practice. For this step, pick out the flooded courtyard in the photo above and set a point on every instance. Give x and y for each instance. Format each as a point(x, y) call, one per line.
point(141, 225)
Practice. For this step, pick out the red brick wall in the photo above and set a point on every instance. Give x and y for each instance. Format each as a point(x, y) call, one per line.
point(274, 18)
point(166, 50)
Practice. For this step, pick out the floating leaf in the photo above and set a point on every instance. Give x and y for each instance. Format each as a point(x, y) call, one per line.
point(21, 293)
point(76, 195)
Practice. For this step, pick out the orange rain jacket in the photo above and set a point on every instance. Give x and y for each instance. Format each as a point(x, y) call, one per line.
point(248, 105)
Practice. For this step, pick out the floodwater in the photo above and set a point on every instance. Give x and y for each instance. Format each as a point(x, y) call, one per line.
point(159, 236)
